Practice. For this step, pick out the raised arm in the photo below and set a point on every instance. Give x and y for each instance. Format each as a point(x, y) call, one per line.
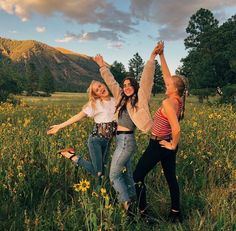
point(146, 81)
point(55, 128)
point(107, 76)
point(165, 69)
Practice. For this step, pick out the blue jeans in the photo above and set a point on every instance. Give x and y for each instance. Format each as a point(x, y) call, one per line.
point(98, 149)
point(121, 175)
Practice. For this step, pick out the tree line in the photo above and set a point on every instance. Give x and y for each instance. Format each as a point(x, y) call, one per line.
point(13, 82)
point(211, 59)
point(210, 63)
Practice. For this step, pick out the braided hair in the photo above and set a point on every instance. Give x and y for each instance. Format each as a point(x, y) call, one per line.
point(181, 84)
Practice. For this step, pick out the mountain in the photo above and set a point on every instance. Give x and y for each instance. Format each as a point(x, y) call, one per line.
point(71, 71)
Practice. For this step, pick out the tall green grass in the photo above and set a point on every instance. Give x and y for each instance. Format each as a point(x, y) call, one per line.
point(36, 184)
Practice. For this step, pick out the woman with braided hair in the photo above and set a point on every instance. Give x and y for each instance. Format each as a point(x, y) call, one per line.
point(163, 144)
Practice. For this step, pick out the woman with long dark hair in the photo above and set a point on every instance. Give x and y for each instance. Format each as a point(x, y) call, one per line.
point(132, 111)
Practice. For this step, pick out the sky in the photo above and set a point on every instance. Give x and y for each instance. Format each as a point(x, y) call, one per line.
point(115, 29)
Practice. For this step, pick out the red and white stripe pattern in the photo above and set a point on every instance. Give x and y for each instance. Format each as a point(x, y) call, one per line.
point(161, 126)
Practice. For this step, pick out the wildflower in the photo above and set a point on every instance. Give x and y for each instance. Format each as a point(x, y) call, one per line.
point(106, 197)
point(36, 221)
point(83, 186)
point(211, 116)
point(21, 175)
point(195, 124)
point(94, 194)
point(109, 206)
point(19, 167)
point(234, 174)
point(103, 191)
point(55, 170)
point(26, 122)
point(124, 170)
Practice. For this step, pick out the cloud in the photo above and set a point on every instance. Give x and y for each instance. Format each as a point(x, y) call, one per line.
point(117, 44)
point(172, 17)
point(13, 31)
point(88, 36)
point(99, 12)
point(66, 39)
point(40, 29)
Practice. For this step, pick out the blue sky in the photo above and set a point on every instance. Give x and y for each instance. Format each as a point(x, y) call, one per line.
point(116, 29)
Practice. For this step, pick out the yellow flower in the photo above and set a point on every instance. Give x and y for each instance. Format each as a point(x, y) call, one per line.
point(234, 174)
point(94, 194)
point(103, 191)
point(26, 122)
point(21, 175)
point(211, 116)
point(83, 186)
point(108, 206)
point(124, 170)
point(106, 197)
point(55, 170)
point(195, 124)
point(19, 167)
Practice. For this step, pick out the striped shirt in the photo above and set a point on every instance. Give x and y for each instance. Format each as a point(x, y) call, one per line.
point(161, 126)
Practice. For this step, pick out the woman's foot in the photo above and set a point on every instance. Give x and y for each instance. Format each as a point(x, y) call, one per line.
point(175, 216)
point(147, 217)
point(126, 205)
point(69, 153)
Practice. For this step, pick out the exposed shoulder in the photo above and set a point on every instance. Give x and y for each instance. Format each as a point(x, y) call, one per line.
point(167, 102)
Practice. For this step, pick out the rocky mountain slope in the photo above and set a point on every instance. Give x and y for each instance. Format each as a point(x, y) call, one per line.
point(71, 71)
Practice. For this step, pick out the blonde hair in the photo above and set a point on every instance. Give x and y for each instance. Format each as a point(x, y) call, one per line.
point(181, 83)
point(92, 95)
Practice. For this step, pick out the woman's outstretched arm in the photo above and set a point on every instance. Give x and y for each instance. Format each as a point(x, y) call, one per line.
point(55, 128)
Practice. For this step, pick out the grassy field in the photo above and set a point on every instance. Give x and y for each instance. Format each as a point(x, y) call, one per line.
point(39, 190)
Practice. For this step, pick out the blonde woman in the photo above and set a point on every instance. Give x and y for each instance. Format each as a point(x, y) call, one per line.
point(163, 144)
point(101, 106)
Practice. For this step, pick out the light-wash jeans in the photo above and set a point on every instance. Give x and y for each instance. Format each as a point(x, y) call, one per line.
point(98, 149)
point(121, 175)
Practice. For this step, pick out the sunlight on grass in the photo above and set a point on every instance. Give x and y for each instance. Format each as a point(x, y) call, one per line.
point(42, 191)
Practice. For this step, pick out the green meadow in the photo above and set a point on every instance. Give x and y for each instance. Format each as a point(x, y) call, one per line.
point(40, 190)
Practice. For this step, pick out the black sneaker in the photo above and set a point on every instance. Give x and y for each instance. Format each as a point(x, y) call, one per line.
point(175, 217)
point(147, 218)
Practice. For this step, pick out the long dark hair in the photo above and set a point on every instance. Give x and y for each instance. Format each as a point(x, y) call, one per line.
point(121, 106)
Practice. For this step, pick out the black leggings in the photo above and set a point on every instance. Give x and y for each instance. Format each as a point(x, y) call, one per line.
point(153, 154)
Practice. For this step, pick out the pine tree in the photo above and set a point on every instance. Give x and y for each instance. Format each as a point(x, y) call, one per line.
point(158, 84)
point(10, 80)
point(32, 78)
point(46, 81)
point(118, 70)
point(136, 65)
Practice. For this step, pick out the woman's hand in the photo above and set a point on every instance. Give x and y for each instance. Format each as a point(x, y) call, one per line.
point(53, 129)
point(99, 60)
point(157, 50)
point(166, 144)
